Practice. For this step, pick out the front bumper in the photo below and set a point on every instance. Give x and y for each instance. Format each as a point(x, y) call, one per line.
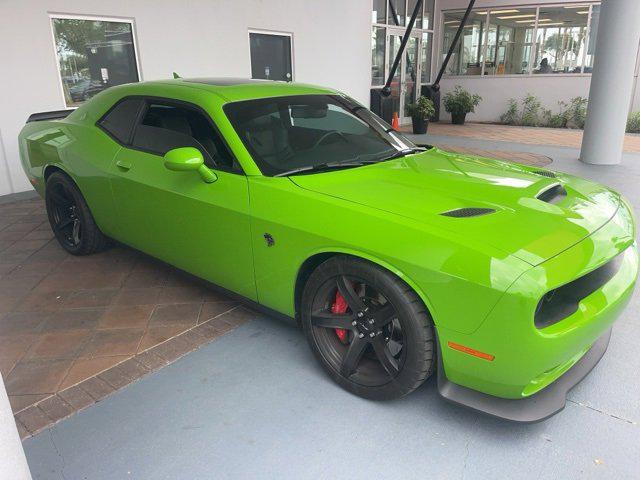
point(534, 408)
point(523, 361)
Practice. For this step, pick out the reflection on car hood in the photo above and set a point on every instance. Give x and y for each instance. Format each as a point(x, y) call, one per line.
point(425, 185)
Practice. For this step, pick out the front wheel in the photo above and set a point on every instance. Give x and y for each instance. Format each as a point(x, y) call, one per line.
point(368, 328)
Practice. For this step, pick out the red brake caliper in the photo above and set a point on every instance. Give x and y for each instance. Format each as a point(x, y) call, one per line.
point(340, 306)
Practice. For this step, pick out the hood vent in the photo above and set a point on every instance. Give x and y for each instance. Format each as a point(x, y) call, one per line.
point(545, 173)
point(468, 212)
point(553, 194)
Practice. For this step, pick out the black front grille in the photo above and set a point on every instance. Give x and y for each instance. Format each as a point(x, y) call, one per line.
point(468, 212)
point(563, 301)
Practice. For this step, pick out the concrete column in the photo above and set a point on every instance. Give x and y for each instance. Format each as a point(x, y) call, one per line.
point(611, 82)
point(13, 463)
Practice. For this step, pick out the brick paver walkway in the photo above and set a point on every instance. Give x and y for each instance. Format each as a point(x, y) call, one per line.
point(75, 329)
point(525, 158)
point(530, 135)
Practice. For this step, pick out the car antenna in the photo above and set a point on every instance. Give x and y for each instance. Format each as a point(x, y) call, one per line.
point(175, 75)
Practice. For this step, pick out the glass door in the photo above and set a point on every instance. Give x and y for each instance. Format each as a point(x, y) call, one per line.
point(405, 85)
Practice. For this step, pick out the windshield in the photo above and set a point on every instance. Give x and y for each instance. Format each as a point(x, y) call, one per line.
point(284, 134)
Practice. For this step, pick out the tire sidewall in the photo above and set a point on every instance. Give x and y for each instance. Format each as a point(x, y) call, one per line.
point(70, 186)
point(415, 323)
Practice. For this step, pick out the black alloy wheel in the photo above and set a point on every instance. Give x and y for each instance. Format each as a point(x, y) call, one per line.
point(64, 211)
point(368, 328)
point(70, 218)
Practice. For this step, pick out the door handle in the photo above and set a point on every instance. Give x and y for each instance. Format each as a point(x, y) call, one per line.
point(122, 165)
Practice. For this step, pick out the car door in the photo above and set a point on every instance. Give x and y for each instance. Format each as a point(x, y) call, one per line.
point(200, 227)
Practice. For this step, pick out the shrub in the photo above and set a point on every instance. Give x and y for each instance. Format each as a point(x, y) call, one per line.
point(576, 112)
point(423, 108)
point(511, 116)
point(557, 120)
point(531, 113)
point(633, 123)
point(461, 101)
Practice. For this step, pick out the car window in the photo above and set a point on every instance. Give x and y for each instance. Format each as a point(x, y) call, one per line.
point(288, 133)
point(119, 121)
point(165, 126)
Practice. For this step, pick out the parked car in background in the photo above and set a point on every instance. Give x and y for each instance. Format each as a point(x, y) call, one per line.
point(85, 89)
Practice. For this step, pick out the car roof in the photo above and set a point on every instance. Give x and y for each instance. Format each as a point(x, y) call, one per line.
point(236, 89)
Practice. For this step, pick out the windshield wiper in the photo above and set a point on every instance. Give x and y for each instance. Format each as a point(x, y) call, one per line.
point(402, 153)
point(320, 168)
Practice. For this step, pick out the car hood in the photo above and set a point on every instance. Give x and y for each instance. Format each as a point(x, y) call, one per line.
point(425, 185)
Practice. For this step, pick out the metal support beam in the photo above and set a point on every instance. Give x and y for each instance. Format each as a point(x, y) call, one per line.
point(452, 47)
point(386, 90)
point(611, 82)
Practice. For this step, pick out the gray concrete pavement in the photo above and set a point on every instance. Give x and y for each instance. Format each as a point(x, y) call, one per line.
point(254, 404)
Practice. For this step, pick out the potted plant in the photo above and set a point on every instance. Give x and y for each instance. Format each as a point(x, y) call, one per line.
point(459, 103)
point(421, 112)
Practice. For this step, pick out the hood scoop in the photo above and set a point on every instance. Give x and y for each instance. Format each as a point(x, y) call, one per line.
point(468, 212)
point(544, 173)
point(553, 194)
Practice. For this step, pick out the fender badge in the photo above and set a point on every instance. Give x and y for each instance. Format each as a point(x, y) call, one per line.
point(269, 239)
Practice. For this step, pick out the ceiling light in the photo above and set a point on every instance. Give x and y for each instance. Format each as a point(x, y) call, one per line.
point(517, 16)
point(533, 20)
point(497, 12)
point(452, 21)
point(583, 12)
point(554, 23)
point(576, 6)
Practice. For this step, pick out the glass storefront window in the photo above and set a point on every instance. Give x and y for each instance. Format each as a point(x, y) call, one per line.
point(397, 12)
point(509, 42)
point(379, 12)
point(591, 41)
point(467, 57)
point(427, 19)
point(523, 40)
point(411, 5)
point(93, 55)
point(386, 33)
point(425, 68)
point(377, 55)
point(560, 39)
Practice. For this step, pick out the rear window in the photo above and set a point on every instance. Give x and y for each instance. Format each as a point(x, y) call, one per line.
point(120, 120)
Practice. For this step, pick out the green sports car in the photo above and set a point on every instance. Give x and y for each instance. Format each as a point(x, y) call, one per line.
point(397, 260)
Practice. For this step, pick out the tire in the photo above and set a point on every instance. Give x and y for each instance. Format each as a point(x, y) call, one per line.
point(70, 217)
point(383, 313)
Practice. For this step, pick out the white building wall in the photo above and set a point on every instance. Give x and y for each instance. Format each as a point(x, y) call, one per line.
point(496, 90)
point(331, 47)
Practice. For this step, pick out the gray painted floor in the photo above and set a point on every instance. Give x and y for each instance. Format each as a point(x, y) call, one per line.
point(254, 404)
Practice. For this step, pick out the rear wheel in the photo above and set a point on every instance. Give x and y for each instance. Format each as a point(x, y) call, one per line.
point(368, 328)
point(70, 217)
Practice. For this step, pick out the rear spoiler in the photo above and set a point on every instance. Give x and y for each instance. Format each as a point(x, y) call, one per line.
point(42, 116)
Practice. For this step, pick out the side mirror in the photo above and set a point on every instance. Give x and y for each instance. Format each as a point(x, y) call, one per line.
point(186, 159)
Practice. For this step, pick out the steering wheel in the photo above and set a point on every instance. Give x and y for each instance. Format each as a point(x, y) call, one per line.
point(330, 133)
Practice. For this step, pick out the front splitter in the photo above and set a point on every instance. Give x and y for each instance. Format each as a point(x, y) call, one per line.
point(534, 408)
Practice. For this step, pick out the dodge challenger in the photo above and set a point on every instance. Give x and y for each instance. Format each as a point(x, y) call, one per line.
point(399, 261)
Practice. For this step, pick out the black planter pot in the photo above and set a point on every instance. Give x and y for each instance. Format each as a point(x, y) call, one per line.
point(457, 118)
point(420, 125)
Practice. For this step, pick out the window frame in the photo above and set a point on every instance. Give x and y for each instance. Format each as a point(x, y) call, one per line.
point(148, 99)
point(416, 31)
point(534, 44)
point(277, 34)
point(95, 18)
